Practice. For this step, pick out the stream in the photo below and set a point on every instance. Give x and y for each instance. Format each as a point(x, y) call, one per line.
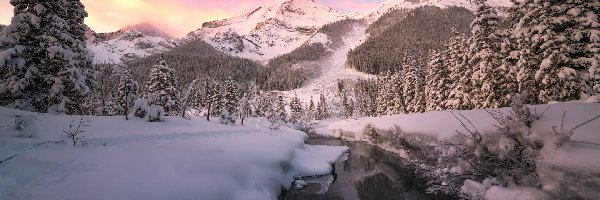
point(368, 173)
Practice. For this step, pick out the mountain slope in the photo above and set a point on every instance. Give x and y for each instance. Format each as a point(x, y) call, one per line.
point(391, 5)
point(198, 60)
point(128, 43)
point(270, 30)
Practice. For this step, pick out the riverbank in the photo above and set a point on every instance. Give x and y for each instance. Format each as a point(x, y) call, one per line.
point(115, 158)
point(367, 172)
point(421, 138)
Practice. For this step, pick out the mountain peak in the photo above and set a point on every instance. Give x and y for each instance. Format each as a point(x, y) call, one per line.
point(147, 29)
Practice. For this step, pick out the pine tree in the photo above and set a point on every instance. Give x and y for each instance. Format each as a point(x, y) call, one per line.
point(484, 59)
point(296, 110)
point(245, 109)
point(230, 102)
point(65, 58)
point(438, 83)
point(322, 110)
point(217, 99)
point(209, 98)
point(280, 113)
point(312, 113)
point(128, 91)
point(348, 106)
point(413, 89)
point(163, 84)
point(386, 94)
point(460, 74)
point(557, 41)
point(396, 83)
point(44, 53)
point(19, 58)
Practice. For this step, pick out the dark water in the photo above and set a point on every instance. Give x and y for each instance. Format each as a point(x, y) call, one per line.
point(368, 173)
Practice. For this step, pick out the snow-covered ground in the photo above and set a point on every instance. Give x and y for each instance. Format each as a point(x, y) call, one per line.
point(175, 159)
point(333, 68)
point(572, 168)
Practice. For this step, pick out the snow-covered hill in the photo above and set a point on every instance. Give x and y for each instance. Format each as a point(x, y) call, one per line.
point(411, 4)
point(128, 43)
point(270, 30)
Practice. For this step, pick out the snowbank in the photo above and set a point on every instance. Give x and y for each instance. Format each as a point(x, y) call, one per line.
point(176, 159)
point(571, 170)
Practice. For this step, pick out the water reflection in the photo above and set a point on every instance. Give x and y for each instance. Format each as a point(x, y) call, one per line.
point(368, 173)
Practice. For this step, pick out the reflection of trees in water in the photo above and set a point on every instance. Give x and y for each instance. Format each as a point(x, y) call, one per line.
point(375, 174)
point(378, 187)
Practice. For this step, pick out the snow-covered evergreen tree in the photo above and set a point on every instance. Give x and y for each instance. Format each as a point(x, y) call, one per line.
point(280, 113)
point(438, 84)
point(557, 41)
point(296, 110)
point(230, 102)
point(348, 106)
point(460, 74)
point(322, 108)
point(210, 98)
point(163, 84)
point(48, 66)
point(245, 108)
point(396, 83)
point(312, 111)
point(216, 98)
point(386, 94)
point(484, 48)
point(128, 91)
point(19, 60)
point(413, 87)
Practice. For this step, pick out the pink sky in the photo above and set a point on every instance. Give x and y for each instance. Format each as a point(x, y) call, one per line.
point(178, 16)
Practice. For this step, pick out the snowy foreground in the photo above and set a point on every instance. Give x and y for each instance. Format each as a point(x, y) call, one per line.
point(572, 168)
point(176, 159)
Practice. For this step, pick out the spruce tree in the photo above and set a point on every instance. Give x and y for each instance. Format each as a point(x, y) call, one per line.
point(19, 58)
point(48, 66)
point(386, 94)
point(413, 89)
point(128, 91)
point(245, 109)
point(163, 85)
point(460, 74)
point(296, 110)
point(398, 99)
point(312, 113)
point(484, 58)
point(217, 99)
point(322, 110)
point(280, 113)
point(230, 102)
point(556, 43)
point(209, 98)
point(438, 83)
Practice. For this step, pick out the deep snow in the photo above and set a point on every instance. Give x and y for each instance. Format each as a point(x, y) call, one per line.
point(176, 159)
point(572, 168)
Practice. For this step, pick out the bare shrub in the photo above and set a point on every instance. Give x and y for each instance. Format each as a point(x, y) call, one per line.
point(74, 134)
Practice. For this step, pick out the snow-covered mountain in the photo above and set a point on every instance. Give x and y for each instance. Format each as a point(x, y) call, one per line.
point(129, 43)
point(270, 30)
point(389, 5)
